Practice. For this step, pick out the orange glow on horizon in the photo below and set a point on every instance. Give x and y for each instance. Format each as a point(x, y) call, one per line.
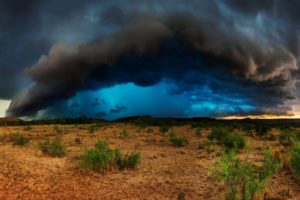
point(294, 116)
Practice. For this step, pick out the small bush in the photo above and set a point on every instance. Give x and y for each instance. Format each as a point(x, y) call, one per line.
point(262, 130)
point(140, 124)
point(178, 141)
point(234, 142)
point(77, 140)
point(243, 179)
point(248, 128)
point(123, 134)
point(102, 158)
point(53, 148)
point(57, 129)
point(295, 160)
point(130, 160)
point(202, 145)
point(27, 128)
point(218, 134)
point(163, 129)
point(288, 137)
point(98, 159)
point(94, 127)
point(229, 140)
point(149, 130)
point(4, 137)
point(198, 132)
point(19, 140)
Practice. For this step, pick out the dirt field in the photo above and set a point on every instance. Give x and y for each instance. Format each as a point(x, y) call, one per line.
point(164, 172)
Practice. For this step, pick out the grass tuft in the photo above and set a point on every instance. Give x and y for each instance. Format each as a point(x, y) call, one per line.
point(102, 158)
point(19, 140)
point(295, 161)
point(178, 141)
point(53, 148)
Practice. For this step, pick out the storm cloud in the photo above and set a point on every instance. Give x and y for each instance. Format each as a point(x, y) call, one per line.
point(244, 51)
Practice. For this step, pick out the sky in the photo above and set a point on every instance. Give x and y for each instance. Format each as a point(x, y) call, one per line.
point(3, 106)
point(172, 58)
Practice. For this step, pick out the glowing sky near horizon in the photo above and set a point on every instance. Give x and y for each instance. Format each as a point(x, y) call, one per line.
point(3, 107)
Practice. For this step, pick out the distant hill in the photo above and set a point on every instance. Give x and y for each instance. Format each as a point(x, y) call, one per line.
point(10, 119)
point(144, 121)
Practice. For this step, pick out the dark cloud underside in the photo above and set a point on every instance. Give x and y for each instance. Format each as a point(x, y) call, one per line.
point(245, 48)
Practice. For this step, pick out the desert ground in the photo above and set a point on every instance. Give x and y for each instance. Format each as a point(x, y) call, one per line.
point(165, 171)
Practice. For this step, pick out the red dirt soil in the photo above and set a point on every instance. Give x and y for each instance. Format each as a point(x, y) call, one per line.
point(165, 171)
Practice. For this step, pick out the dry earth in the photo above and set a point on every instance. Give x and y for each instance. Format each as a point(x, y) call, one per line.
point(165, 171)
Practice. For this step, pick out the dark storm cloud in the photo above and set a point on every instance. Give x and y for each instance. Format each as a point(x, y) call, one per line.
point(247, 40)
point(29, 28)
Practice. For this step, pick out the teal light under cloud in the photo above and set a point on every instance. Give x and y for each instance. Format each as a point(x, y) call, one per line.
point(135, 100)
point(158, 100)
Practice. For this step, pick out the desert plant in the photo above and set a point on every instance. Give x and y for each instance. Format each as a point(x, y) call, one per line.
point(102, 157)
point(262, 129)
point(248, 128)
point(57, 129)
point(231, 141)
point(218, 134)
point(78, 140)
point(19, 140)
point(243, 179)
point(4, 137)
point(295, 160)
point(202, 145)
point(123, 134)
point(163, 129)
point(178, 141)
point(94, 127)
point(181, 196)
point(27, 128)
point(149, 130)
point(288, 137)
point(129, 160)
point(53, 148)
point(198, 132)
point(98, 159)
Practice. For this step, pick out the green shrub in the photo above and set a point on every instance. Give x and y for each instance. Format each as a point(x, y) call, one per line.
point(53, 148)
point(123, 134)
point(178, 141)
point(262, 129)
point(149, 130)
point(129, 160)
point(57, 129)
point(94, 127)
point(102, 145)
point(78, 140)
point(234, 142)
point(248, 128)
point(202, 145)
point(102, 158)
point(218, 134)
point(98, 159)
point(288, 137)
point(140, 123)
point(27, 128)
point(243, 179)
point(198, 132)
point(19, 140)
point(229, 140)
point(295, 160)
point(163, 129)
